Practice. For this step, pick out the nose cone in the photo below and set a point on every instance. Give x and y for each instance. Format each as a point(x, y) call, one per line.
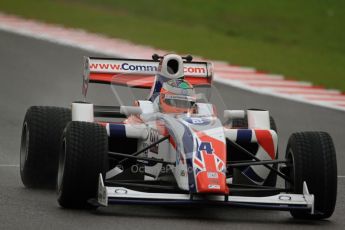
point(171, 66)
point(209, 162)
point(210, 177)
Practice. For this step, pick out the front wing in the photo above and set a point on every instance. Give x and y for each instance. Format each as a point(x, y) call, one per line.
point(283, 201)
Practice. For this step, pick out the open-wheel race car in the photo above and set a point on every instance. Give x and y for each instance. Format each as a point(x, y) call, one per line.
point(174, 144)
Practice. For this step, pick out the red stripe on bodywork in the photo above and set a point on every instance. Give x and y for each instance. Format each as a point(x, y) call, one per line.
point(137, 80)
point(198, 163)
point(143, 81)
point(265, 140)
point(172, 142)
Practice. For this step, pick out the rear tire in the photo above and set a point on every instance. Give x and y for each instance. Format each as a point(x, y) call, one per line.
point(313, 160)
point(82, 158)
point(41, 133)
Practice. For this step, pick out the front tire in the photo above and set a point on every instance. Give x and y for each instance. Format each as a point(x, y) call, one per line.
point(82, 158)
point(41, 133)
point(312, 159)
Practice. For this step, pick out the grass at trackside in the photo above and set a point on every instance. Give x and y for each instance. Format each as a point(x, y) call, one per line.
point(301, 39)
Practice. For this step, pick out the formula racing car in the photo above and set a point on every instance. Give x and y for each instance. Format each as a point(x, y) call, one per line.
point(172, 142)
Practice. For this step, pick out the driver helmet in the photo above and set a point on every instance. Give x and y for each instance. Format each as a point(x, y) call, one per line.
point(177, 96)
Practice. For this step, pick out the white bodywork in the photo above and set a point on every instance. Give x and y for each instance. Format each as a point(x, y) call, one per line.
point(82, 112)
point(258, 119)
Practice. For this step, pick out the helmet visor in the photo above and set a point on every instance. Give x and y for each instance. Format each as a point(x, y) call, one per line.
point(179, 101)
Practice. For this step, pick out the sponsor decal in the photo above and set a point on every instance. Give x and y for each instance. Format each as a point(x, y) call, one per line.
point(149, 68)
point(118, 66)
point(154, 136)
point(285, 197)
point(195, 70)
point(121, 191)
point(212, 175)
point(125, 66)
point(214, 186)
point(198, 121)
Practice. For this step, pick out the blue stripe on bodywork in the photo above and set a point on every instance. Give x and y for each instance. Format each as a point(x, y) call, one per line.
point(117, 130)
point(244, 136)
point(249, 172)
point(158, 86)
point(188, 149)
point(188, 143)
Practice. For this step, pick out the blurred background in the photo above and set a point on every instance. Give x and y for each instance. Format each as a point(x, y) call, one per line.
point(303, 40)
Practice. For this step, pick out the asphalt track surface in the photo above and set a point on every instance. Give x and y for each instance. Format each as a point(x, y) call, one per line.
point(34, 72)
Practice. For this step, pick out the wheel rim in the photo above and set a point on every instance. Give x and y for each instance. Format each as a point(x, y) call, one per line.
point(61, 168)
point(24, 146)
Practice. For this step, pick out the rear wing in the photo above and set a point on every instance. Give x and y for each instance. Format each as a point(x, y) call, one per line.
point(138, 73)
